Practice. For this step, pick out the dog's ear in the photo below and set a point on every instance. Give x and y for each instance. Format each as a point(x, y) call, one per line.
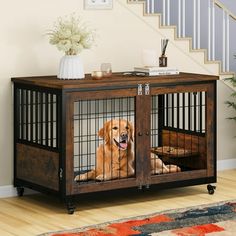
point(104, 132)
point(131, 130)
point(101, 133)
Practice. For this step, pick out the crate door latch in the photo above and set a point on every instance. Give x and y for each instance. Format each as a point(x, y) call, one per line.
point(147, 89)
point(61, 173)
point(140, 89)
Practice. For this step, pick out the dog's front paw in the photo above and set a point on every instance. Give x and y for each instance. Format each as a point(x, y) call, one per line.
point(79, 178)
point(102, 177)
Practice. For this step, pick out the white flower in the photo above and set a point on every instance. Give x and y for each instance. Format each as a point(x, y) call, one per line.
point(71, 36)
point(64, 45)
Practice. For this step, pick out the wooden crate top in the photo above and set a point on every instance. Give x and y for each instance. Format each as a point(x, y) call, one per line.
point(117, 79)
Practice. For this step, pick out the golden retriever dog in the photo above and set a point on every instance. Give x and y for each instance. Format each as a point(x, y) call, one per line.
point(115, 157)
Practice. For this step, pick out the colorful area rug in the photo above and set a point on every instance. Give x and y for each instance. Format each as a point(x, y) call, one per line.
point(218, 219)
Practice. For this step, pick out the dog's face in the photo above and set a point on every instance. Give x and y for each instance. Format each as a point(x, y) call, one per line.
point(117, 132)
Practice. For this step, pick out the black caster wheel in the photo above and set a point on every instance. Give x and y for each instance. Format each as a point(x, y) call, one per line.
point(211, 189)
point(70, 208)
point(20, 191)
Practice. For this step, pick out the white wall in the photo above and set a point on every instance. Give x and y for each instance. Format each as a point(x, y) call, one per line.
point(25, 50)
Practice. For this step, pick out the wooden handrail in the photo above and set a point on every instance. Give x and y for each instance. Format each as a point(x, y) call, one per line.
point(219, 4)
point(223, 7)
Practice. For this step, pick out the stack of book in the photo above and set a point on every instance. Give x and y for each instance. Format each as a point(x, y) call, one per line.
point(155, 70)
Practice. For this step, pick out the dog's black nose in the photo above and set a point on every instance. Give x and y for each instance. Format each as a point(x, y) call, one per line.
point(124, 136)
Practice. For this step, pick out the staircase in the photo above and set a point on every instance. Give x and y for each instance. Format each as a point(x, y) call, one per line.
point(206, 25)
point(189, 52)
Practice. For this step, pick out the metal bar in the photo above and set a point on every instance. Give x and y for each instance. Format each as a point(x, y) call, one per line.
point(31, 116)
point(167, 109)
point(89, 133)
point(58, 119)
point(97, 127)
point(152, 119)
point(41, 118)
point(46, 120)
point(128, 119)
point(178, 119)
point(204, 112)
point(104, 119)
point(36, 117)
point(189, 111)
point(113, 104)
point(27, 115)
point(172, 110)
point(80, 153)
point(200, 112)
point(156, 110)
point(51, 119)
point(120, 115)
point(22, 113)
point(195, 111)
point(17, 125)
point(161, 118)
point(183, 102)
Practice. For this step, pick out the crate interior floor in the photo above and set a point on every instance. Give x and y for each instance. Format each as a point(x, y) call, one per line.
point(38, 213)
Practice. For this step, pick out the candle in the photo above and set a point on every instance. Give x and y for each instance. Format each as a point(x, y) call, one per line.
point(149, 57)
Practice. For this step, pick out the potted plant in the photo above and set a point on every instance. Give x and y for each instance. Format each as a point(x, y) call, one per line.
point(232, 104)
point(71, 36)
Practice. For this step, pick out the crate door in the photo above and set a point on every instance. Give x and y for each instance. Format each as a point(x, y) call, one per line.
point(180, 142)
point(103, 142)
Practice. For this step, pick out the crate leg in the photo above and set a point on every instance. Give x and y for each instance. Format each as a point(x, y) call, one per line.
point(211, 189)
point(20, 191)
point(70, 206)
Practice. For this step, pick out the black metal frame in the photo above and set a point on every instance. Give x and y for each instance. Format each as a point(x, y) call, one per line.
point(90, 111)
point(41, 92)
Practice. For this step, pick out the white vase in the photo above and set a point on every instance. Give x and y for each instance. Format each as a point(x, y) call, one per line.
point(71, 67)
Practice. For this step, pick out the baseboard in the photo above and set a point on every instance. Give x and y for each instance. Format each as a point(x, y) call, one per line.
point(7, 191)
point(10, 191)
point(226, 164)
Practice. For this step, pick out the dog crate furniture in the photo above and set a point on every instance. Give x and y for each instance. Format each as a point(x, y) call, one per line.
point(59, 128)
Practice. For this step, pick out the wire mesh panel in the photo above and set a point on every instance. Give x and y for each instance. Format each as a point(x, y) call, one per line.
point(37, 117)
point(178, 132)
point(103, 139)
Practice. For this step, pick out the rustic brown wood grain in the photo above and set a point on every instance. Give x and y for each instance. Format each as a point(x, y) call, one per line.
point(37, 166)
point(116, 79)
point(190, 142)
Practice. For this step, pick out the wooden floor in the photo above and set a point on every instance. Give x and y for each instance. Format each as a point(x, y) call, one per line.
point(35, 214)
